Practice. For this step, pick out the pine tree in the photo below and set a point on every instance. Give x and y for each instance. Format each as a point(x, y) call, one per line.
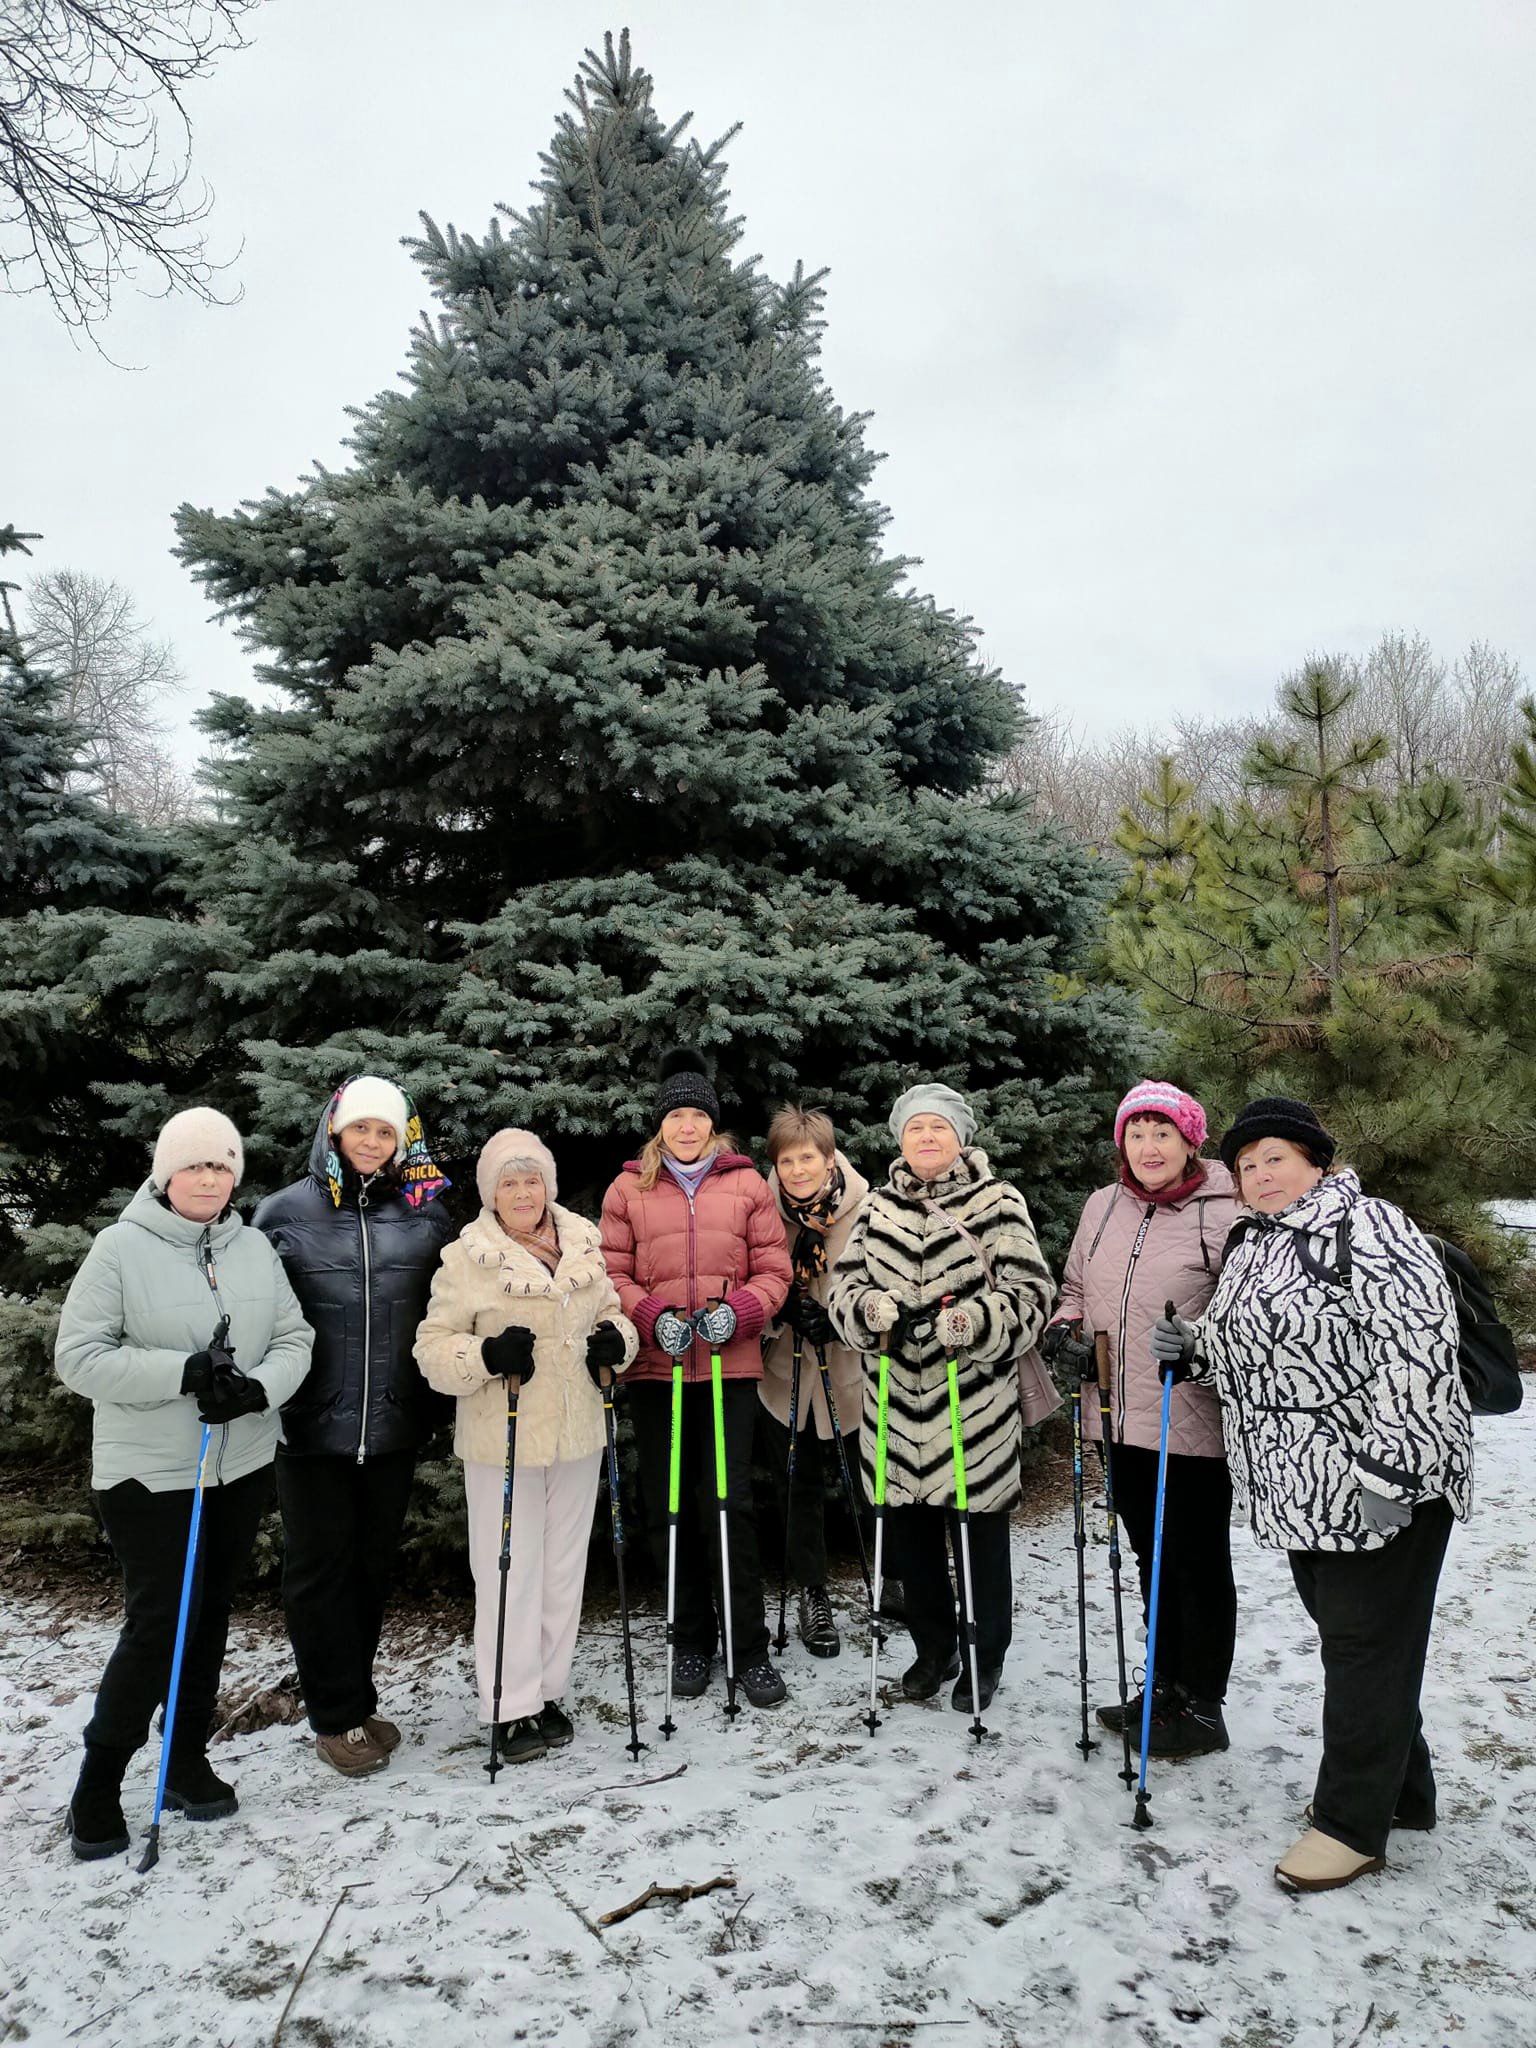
point(1330, 941)
point(603, 720)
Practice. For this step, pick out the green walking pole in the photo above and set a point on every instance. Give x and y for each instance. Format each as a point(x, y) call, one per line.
point(717, 1394)
point(963, 1518)
point(674, 1488)
point(882, 1401)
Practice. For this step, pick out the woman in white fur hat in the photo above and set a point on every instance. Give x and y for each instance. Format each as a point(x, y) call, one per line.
point(523, 1294)
point(359, 1237)
point(137, 1337)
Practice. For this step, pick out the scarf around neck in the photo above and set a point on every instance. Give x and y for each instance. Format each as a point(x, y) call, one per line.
point(543, 1241)
point(419, 1179)
point(1163, 1198)
point(808, 1255)
point(689, 1178)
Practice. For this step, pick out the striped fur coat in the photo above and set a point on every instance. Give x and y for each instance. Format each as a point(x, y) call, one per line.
point(1327, 1387)
point(900, 1247)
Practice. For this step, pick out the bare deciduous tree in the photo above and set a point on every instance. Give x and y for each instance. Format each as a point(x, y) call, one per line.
point(86, 630)
point(95, 142)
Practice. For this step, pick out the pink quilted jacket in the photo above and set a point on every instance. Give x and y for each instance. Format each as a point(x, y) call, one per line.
point(1128, 1259)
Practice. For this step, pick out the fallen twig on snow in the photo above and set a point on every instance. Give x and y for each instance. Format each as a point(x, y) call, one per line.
point(446, 1882)
point(653, 1892)
point(1365, 2025)
point(634, 1783)
point(282, 2018)
point(96, 2017)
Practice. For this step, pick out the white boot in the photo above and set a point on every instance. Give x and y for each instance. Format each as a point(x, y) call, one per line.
point(1317, 1863)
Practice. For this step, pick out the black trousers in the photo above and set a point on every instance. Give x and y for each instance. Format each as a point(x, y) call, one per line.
point(341, 1532)
point(816, 1471)
point(698, 1534)
point(917, 1553)
point(148, 1534)
point(1197, 1599)
point(1373, 1610)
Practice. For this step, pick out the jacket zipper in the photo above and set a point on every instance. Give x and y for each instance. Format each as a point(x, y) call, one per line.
point(1125, 1309)
point(362, 1224)
point(693, 1276)
point(205, 1260)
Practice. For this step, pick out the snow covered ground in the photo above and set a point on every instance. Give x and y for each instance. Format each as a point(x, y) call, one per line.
point(888, 1890)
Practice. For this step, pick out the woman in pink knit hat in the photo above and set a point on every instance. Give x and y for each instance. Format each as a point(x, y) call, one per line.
point(522, 1293)
point(1155, 1235)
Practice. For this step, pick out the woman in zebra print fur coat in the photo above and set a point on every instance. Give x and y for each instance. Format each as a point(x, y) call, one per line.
point(1331, 1340)
point(943, 1263)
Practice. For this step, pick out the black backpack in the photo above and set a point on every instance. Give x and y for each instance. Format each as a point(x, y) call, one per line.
point(1485, 1352)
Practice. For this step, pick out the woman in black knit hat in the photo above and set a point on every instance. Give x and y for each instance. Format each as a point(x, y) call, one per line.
point(1332, 1341)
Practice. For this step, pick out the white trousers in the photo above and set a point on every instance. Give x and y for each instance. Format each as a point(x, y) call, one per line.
point(551, 1524)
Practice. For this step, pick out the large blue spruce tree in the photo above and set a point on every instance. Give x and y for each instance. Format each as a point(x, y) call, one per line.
point(602, 720)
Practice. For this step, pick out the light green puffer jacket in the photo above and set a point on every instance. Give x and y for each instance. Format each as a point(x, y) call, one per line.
point(139, 1305)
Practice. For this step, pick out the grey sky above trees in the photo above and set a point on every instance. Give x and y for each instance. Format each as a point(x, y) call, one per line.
point(1198, 337)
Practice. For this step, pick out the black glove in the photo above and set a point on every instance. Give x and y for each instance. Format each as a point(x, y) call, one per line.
point(509, 1354)
point(1173, 1346)
point(1065, 1345)
point(806, 1316)
point(230, 1394)
point(197, 1375)
point(605, 1350)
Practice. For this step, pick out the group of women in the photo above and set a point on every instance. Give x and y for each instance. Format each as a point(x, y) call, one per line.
point(330, 1337)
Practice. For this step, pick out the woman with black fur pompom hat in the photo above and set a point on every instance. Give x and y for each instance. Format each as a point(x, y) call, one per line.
point(690, 1228)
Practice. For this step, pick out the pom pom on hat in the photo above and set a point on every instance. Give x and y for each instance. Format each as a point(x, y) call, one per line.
point(686, 1084)
point(1161, 1098)
point(370, 1096)
point(197, 1137)
point(512, 1147)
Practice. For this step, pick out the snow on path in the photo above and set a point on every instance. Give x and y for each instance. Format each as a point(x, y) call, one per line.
point(894, 1889)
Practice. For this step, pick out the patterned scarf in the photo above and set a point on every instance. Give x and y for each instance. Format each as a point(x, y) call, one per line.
point(419, 1179)
point(1162, 1197)
point(543, 1241)
point(809, 1253)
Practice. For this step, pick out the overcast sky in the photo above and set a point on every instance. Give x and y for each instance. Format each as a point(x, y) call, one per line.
point(1198, 335)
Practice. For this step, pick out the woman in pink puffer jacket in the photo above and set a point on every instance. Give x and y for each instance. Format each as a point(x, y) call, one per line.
point(1153, 1236)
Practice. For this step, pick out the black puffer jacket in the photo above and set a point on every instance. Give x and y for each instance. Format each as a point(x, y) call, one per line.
point(363, 1274)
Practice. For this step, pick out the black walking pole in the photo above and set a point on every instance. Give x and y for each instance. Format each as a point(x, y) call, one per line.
point(789, 1487)
point(842, 1460)
point(493, 1764)
point(1101, 1362)
point(1085, 1742)
point(615, 1513)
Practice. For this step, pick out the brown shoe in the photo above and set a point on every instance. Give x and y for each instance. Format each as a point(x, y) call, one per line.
point(1318, 1863)
point(384, 1733)
point(354, 1754)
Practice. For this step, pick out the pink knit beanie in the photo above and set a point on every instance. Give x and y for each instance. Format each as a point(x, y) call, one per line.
point(1161, 1098)
point(512, 1148)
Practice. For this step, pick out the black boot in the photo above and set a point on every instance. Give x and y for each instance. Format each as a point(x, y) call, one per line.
point(1110, 1717)
point(518, 1742)
point(922, 1679)
point(817, 1625)
point(192, 1787)
point(555, 1725)
point(987, 1680)
point(96, 1824)
point(1184, 1727)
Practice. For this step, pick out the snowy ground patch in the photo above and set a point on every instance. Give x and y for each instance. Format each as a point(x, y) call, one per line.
point(894, 1889)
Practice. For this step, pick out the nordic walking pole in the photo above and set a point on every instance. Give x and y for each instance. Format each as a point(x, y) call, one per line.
point(615, 1512)
point(842, 1462)
point(1101, 1364)
point(504, 1565)
point(963, 1517)
point(1080, 1539)
point(717, 1395)
point(151, 1854)
point(1141, 1818)
point(882, 1400)
point(789, 1487)
point(674, 1478)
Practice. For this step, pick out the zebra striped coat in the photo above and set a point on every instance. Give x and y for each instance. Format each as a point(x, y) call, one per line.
point(1327, 1388)
point(901, 1247)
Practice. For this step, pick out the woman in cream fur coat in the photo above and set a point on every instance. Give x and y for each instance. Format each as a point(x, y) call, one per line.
point(522, 1293)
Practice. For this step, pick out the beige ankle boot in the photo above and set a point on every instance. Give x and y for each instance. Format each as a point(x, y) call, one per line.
point(1317, 1863)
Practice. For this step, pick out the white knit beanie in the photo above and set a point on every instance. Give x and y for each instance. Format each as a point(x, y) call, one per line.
point(196, 1137)
point(512, 1148)
point(371, 1096)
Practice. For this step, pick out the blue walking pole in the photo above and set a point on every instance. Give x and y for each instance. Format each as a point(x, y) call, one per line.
point(1142, 1818)
point(151, 1854)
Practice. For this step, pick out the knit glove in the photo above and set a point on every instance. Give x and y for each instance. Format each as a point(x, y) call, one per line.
point(1383, 1517)
point(717, 1325)
point(1173, 1347)
point(1065, 1347)
point(880, 1311)
point(605, 1350)
point(957, 1327)
point(673, 1332)
point(509, 1354)
point(231, 1393)
point(806, 1316)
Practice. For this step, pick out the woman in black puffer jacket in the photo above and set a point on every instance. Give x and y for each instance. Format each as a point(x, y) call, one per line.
point(360, 1238)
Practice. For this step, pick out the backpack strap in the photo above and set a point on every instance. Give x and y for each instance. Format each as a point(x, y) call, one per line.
point(937, 1209)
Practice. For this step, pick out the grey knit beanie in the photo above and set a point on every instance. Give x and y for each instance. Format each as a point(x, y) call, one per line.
point(932, 1098)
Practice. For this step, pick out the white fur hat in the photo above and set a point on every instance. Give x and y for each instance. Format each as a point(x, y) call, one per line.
point(371, 1096)
point(512, 1148)
point(194, 1137)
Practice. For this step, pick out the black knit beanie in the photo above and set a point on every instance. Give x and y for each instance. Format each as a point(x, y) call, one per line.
point(1279, 1116)
point(685, 1084)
